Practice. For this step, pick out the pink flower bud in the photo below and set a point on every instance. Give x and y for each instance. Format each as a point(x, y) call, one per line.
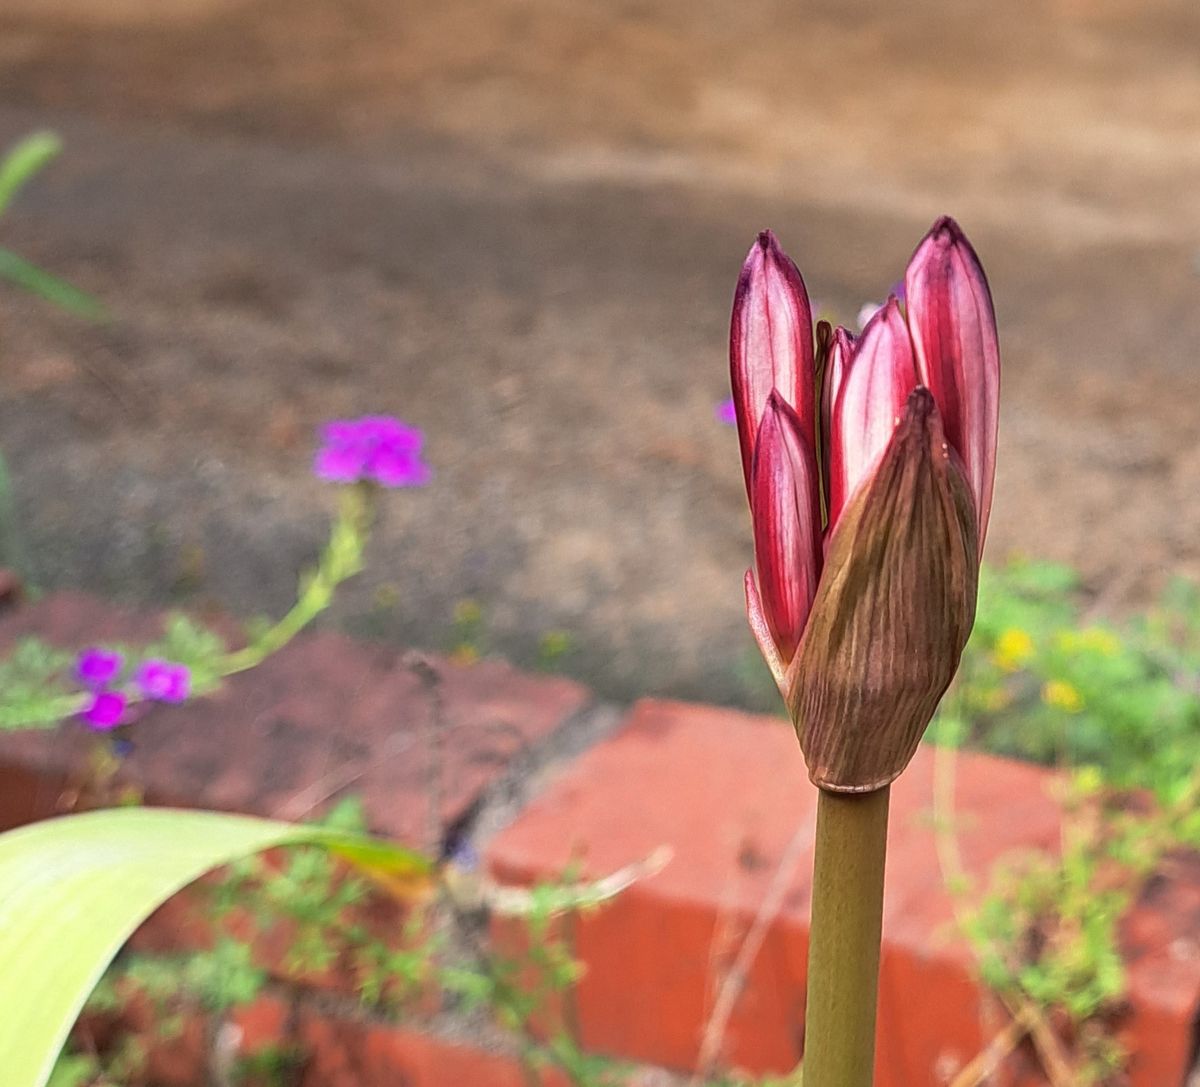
point(770, 343)
point(862, 616)
point(953, 327)
point(872, 390)
point(785, 505)
point(840, 350)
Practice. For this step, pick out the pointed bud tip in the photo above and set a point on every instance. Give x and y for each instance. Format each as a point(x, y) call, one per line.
point(921, 419)
point(889, 311)
point(766, 240)
point(920, 405)
point(946, 231)
point(843, 336)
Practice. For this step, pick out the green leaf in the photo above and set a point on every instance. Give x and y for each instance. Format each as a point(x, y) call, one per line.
point(31, 692)
point(16, 269)
point(73, 889)
point(24, 160)
point(75, 1070)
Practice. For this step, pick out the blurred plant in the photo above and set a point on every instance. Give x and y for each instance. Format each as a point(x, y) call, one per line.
point(1043, 679)
point(18, 166)
point(39, 687)
point(22, 162)
point(1118, 706)
point(469, 632)
point(433, 960)
point(553, 648)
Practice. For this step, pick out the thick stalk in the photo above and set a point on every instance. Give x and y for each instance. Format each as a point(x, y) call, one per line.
point(843, 957)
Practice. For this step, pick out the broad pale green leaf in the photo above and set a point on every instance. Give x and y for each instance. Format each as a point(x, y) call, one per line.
point(73, 889)
point(24, 160)
point(16, 269)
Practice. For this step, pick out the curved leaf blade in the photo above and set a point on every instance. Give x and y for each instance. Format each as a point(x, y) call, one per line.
point(25, 159)
point(73, 889)
point(37, 281)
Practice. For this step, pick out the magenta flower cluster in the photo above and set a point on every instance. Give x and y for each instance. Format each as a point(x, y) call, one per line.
point(375, 447)
point(98, 671)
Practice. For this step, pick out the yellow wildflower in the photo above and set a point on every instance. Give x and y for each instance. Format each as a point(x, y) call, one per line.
point(1062, 695)
point(1013, 648)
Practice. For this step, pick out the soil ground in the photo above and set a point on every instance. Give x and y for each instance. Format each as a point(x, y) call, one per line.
point(517, 223)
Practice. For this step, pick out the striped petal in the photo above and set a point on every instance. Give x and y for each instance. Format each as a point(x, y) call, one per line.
point(953, 326)
point(841, 350)
point(870, 399)
point(770, 343)
point(785, 508)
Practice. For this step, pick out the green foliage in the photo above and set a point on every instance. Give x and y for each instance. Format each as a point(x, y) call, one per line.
point(325, 912)
point(1047, 929)
point(271, 1066)
point(29, 156)
point(76, 887)
point(33, 687)
point(190, 643)
point(469, 632)
point(1043, 680)
point(25, 159)
point(35, 682)
point(554, 647)
point(75, 1070)
point(49, 287)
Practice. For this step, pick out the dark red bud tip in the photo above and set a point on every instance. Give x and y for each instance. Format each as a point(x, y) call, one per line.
point(920, 406)
point(921, 424)
point(946, 231)
point(766, 241)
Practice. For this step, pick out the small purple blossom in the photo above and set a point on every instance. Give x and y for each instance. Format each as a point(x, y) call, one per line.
point(105, 710)
point(163, 681)
point(465, 856)
point(726, 413)
point(375, 447)
point(96, 667)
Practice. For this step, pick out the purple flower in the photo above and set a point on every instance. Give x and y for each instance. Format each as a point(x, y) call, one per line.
point(163, 681)
point(96, 667)
point(105, 710)
point(726, 413)
point(465, 856)
point(376, 447)
point(395, 468)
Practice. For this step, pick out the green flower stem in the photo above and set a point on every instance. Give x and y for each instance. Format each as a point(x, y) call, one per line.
point(847, 922)
point(341, 559)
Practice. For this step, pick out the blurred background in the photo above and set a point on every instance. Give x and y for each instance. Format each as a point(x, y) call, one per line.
point(517, 224)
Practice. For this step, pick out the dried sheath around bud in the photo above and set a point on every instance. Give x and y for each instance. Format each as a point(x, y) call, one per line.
point(892, 613)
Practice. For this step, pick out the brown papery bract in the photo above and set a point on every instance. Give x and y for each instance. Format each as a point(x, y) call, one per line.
point(892, 613)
